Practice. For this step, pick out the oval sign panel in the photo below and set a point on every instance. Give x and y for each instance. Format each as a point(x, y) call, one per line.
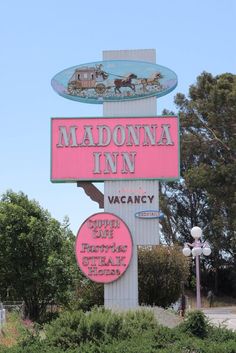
point(103, 247)
point(115, 80)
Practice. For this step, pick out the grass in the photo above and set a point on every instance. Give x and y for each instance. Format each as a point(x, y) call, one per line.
point(13, 329)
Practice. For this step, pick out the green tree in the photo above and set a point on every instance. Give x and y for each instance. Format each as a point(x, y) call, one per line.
point(205, 195)
point(162, 271)
point(36, 262)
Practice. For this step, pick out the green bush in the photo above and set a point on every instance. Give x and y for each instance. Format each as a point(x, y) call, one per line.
point(196, 323)
point(220, 334)
point(37, 347)
point(161, 272)
point(102, 324)
point(68, 330)
point(137, 322)
point(164, 336)
point(97, 331)
point(217, 347)
point(72, 329)
point(75, 329)
point(101, 331)
point(138, 343)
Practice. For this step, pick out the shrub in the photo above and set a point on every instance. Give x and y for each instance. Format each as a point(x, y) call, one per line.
point(138, 343)
point(72, 329)
point(220, 334)
point(164, 336)
point(68, 330)
point(161, 271)
point(103, 324)
point(36, 347)
point(101, 331)
point(226, 347)
point(137, 322)
point(195, 323)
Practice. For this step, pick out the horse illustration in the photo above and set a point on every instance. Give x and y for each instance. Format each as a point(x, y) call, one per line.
point(152, 80)
point(125, 82)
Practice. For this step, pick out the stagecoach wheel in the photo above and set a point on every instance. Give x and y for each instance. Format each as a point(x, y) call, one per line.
point(73, 90)
point(100, 88)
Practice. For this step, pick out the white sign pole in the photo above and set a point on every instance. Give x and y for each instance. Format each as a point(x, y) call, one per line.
point(123, 293)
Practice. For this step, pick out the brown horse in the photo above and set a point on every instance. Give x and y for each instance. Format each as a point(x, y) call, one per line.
point(126, 82)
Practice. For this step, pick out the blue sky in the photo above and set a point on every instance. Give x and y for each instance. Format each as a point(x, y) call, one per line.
point(41, 38)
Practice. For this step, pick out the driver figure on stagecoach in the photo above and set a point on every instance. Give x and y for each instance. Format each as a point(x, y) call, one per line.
point(101, 75)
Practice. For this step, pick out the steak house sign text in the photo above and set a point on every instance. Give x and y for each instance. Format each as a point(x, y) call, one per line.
point(103, 247)
point(114, 148)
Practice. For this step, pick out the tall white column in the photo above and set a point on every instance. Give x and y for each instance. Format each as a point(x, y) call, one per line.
point(123, 293)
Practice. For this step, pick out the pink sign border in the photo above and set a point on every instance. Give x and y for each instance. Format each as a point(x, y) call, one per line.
point(131, 250)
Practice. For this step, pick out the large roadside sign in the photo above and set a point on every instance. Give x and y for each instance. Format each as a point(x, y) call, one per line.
point(130, 149)
point(115, 148)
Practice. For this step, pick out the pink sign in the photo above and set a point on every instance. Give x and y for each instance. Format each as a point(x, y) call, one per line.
point(103, 247)
point(99, 149)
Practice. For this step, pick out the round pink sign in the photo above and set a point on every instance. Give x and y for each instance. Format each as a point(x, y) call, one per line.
point(103, 247)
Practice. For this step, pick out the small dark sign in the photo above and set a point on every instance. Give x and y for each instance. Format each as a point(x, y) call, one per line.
point(149, 214)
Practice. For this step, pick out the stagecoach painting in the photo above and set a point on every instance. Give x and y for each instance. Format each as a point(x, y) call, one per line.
point(114, 80)
point(86, 78)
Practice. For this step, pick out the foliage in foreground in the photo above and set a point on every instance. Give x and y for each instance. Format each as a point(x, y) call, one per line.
point(35, 265)
point(162, 270)
point(196, 324)
point(205, 194)
point(102, 331)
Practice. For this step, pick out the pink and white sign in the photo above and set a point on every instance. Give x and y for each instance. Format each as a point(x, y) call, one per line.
point(99, 149)
point(103, 247)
